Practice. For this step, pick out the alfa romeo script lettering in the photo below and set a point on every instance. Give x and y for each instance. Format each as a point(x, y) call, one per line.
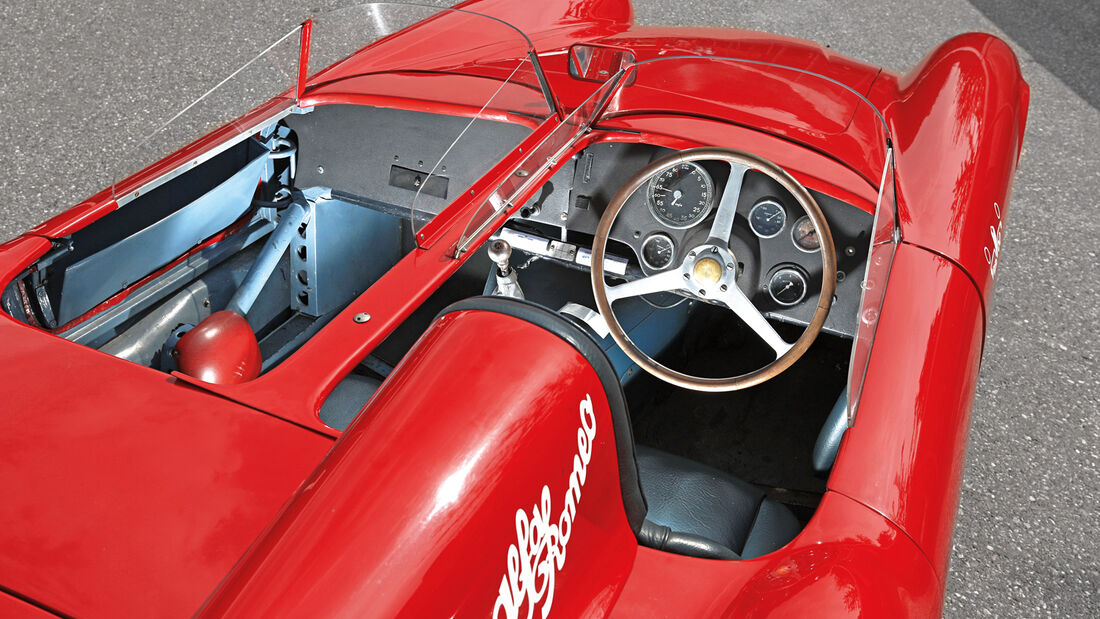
point(539, 552)
point(993, 252)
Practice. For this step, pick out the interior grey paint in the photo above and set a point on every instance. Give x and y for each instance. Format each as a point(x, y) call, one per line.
point(828, 441)
point(95, 278)
point(352, 148)
point(347, 247)
point(100, 328)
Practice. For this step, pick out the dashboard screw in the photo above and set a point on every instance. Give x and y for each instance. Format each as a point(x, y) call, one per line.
point(725, 288)
point(320, 169)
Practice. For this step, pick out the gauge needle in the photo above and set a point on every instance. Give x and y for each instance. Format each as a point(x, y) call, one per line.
point(785, 288)
point(661, 189)
point(774, 215)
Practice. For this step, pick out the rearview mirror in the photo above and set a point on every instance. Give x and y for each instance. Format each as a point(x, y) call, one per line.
point(595, 63)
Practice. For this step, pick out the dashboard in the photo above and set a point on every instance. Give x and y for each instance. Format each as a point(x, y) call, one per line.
point(776, 245)
point(779, 266)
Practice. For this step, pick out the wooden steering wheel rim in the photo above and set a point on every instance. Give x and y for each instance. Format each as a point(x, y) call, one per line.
point(825, 297)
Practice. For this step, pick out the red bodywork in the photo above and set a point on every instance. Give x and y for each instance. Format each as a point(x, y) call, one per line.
point(129, 492)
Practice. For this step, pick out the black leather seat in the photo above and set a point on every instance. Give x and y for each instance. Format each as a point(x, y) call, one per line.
point(671, 503)
point(693, 499)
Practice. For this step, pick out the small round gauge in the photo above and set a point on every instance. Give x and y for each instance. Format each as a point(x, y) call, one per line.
point(657, 251)
point(804, 235)
point(681, 195)
point(787, 286)
point(767, 218)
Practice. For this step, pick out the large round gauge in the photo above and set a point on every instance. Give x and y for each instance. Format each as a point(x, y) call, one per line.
point(657, 251)
point(787, 286)
point(804, 235)
point(767, 218)
point(682, 195)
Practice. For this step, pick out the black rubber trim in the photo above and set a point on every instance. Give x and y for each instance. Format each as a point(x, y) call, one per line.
point(660, 537)
point(633, 498)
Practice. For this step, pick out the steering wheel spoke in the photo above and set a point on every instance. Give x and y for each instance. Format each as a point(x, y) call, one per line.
point(665, 281)
point(727, 207)
point(708, 271)
point(739, 304)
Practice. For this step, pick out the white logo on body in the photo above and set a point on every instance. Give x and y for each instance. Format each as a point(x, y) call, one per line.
point(992, 254)
point(539, 552)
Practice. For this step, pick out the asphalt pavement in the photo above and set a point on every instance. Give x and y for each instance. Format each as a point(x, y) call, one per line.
point(79, 79)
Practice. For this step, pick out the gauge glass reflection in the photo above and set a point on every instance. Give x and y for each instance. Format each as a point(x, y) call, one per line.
point(804, 235)
point(787, 286)
point(767, 218)
point(681, 195)
point(657, 251)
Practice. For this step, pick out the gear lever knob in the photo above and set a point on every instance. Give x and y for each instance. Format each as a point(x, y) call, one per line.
point(499, 252)
point(507, 277)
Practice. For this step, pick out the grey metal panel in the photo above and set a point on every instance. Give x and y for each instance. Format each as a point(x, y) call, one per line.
point(345, 249)
point(263, 126)
point(107, 324)
point(351, 149)
point(95, 278)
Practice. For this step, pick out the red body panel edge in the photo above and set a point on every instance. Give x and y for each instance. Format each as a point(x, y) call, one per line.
point(431, 499)
point(904, 455)
point(848, 562)
point(124, 493)
point(957, 121)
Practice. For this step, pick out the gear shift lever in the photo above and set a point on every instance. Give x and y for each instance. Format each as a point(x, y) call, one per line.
point(507, 280)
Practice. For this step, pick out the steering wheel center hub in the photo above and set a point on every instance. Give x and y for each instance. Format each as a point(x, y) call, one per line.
point(707, 271)
point(709, 268)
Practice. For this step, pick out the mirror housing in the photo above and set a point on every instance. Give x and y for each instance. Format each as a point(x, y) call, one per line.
point(596, 63)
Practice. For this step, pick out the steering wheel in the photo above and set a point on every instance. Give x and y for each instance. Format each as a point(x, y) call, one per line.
point(709, 271)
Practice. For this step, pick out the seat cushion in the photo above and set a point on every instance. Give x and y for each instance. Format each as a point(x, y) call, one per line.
point(689, 497)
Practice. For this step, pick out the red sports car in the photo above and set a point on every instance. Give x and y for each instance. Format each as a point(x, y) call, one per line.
point(513, 310)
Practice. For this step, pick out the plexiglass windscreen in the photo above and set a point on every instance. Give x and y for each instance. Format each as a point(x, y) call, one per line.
point(478, 71)
point(470, 76)
point(248, 98)
point(807, 109)
point(482, 76)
